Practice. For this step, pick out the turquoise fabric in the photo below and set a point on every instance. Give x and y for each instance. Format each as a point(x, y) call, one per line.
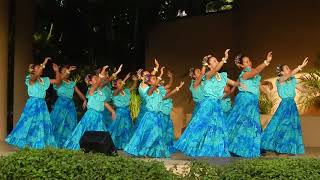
point(122, 100)
point(37, 89)
point(66, 89)
point(197, 93)
point(251, 85)
point(288, 88)
point(96, 101)
point(213, 87)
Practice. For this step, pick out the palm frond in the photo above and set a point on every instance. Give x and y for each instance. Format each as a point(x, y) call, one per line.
point(310, 81)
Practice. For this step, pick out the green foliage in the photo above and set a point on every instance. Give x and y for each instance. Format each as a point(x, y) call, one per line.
point(311, 82)
point(266, 103)
point(280, 168)
point(64, 164)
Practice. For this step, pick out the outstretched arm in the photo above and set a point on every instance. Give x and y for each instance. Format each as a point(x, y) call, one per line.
point(258, 69)
point(36, 75)
point(97, 84)
point(156, 68)
point(168, 86)
point(159, 78)
point(169, 94)
point(57, 80)
point(294, 72)
point(213, 71)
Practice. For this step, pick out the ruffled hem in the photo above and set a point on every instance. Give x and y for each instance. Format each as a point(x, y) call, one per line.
point(154, 152)
point(21, 143)
point(289, 148)
point(205, 135)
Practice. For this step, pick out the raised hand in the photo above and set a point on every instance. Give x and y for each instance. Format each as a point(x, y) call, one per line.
point(181, 84)
point(119, 69)
point(305, 62)
point(72, 68)
point(170, 75)
point(226, 55)
point(127, 76)
point(156, 63)
point(46, 60)
point(205, 60)
point(161, 70)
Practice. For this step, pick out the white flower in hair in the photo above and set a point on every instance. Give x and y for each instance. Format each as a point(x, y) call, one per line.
point(237, 59)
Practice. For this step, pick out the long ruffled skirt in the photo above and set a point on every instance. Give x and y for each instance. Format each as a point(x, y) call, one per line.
point(92, 120)
point(122, 128)
point(283, 134)
point(143, 110)
point(168, 131)
point(34, 128)
point(206, 134)
point(244, 126)
point(107, 118)
point(148, 139)
point(64, 119)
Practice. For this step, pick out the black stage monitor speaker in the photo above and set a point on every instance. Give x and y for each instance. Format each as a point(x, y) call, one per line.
point(98, 141)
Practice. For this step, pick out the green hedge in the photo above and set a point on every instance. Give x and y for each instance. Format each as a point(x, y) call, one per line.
point(264, 169)
point(63, 164)
point(278, 168)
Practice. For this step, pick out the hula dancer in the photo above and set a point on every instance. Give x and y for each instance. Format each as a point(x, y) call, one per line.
point(122, 128)
point(93, 119)
point(106, 89)
point(283, 133)
point(244, 118)
point(196, 87)
point(64, 114)
point(149, 139)
point(34, 128)
point(143, 89)
point(206, 134)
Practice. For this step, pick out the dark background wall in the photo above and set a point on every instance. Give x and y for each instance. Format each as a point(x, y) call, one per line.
point(288, 28)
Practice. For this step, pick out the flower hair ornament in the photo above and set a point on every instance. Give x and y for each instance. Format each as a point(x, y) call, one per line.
point(191, 72)
point(279, 69)
point(205, 60)
point(237, 60)
point(31, 68)
point(147, 77)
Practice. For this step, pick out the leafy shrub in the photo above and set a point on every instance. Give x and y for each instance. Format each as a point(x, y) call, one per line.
point(266, 103)
point(311, 82)
point(64, 164)
point(280, 168)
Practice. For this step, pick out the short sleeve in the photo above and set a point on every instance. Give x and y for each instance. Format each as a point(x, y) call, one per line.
point(27, 80)
point(46, 81)
point(224, 76)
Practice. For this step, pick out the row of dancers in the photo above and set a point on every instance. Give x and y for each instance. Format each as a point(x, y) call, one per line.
point(216, 128)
